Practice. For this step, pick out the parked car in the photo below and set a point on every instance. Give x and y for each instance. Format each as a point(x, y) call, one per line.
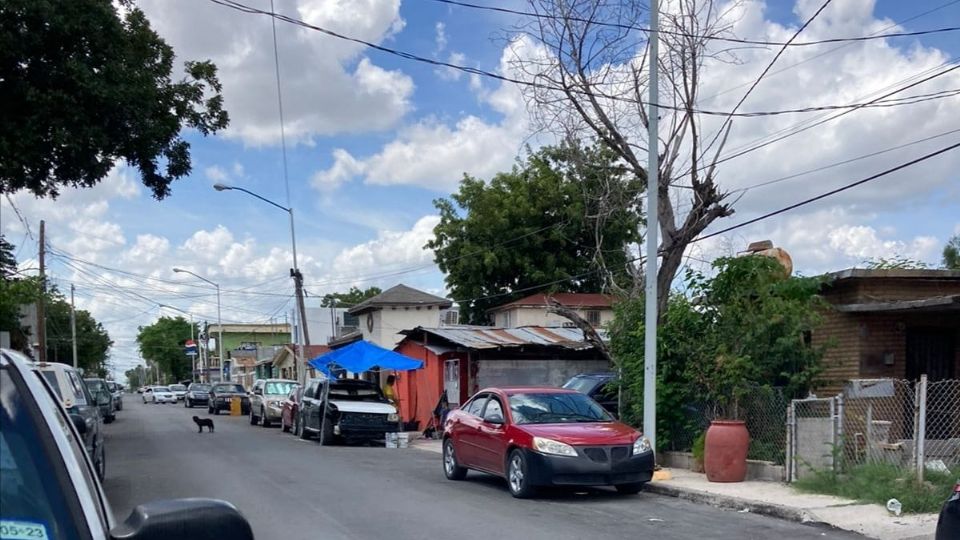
point(197, 394)
point(117, 390)
point(104, 398)
point(76, 399)
point(266, 400)
point(222, 394)
point(141, 389)
point(346, 409)
point(147, 394)
point(162, 394)
point(544, 437)
point(289, 411)
point(600, 386)
point(179, 391)
point(948, 526)
point(51, 488)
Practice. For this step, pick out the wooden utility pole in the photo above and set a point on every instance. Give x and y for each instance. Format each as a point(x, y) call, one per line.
point(41, 308)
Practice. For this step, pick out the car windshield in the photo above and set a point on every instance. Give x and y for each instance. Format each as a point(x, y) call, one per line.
point(31, 497)
point(178, 387)
point(354, 393)
point(278, 388)
point(199, 387)
point(160, 389)
point(556, 408)
point(225, 388)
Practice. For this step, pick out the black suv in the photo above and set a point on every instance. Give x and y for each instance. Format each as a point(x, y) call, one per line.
point(602, 387)
point(346, 409)
point(48, 488)
point(221, 394)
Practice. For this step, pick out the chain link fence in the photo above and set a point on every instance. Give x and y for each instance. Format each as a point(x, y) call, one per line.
point(911, 425)
point(764, 411)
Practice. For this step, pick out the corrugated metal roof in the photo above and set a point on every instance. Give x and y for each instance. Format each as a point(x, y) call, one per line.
point(474, 337)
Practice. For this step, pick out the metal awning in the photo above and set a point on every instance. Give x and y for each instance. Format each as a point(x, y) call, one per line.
point(948, 303)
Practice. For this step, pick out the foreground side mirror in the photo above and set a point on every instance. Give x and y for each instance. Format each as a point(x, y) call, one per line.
point(495, 419)
point(184, 519)
point(79, 423)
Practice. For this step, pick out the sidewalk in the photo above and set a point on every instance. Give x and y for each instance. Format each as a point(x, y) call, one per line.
point(779, 500)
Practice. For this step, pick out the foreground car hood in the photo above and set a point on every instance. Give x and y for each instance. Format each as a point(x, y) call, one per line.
point(364, 407)
point(584, 434)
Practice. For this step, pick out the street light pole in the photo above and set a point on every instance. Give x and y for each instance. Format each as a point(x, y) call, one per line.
point(219, 319)
point(297, 281)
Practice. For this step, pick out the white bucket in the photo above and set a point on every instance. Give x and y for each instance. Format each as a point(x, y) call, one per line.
point(390, 440)
point(403, 440)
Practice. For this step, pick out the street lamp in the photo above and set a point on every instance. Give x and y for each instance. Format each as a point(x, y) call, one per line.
point(193, 361)
point(295, 273)
point(219, 319)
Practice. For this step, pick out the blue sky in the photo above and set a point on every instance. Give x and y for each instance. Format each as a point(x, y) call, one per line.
point(374, 139)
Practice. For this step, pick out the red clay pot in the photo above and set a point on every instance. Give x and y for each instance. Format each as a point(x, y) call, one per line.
point(725, 451)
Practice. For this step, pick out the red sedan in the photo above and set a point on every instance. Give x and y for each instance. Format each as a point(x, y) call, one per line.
point(544, 437)
point(290, 408)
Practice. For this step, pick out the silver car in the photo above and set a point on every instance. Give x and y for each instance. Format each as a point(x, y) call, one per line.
point(266, 400)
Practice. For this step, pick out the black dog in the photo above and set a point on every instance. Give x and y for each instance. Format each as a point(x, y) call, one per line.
point(203, 422)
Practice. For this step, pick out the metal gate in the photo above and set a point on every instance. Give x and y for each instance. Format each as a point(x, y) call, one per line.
point(814, 432)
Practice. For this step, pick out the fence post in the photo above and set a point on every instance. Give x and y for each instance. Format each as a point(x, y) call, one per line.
point(789, 468)
point(839, 431)
point(833, 435)
point(921, 427)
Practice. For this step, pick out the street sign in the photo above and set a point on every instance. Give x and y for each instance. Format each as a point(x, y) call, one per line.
point(190, 347)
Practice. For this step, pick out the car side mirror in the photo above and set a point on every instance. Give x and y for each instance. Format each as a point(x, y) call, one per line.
point(103, 398)
point(258, 392)
point(494, 418)
point(79, 423)
point(185, 519)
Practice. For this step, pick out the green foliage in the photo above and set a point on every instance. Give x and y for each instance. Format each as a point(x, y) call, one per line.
point(86, 86)
point(951, 253)
point(699, 448)
point(136, 377)
point(741, 331)
point(880, 482)
point(537, 224)
point(162, 344)
point(8, 261)
point(897, 262)
point(350, 298)
point(93, 341)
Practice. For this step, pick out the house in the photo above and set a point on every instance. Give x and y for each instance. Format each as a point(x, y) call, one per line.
point(383, 317)
point(597, 309)
point(889, 324)
point(244, 346)
point(463, 359)
point(283, 364)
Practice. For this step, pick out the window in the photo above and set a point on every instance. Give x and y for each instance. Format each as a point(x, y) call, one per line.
point(80, 391)
point(593, 317)
point(505, 319)
point(311, 391)
point(475, 407)
point(278, 388)
point(51, 378)
point(494, 408)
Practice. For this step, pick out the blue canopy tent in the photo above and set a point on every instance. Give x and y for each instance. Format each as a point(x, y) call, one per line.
point(363, 356)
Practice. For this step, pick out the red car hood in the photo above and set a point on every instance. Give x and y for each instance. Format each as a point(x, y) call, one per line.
point(584, 434)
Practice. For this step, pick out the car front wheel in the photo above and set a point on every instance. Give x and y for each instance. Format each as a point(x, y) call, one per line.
point(517, 478)
point(301, 429)
point(264, 421)
point(326, 432)
point(253, 419)
point(451, 468)
point(101, 464)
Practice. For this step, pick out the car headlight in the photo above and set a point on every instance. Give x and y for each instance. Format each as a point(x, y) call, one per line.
point(393, 417)
point(276, 403)
point(641, 445)
point(550, 446)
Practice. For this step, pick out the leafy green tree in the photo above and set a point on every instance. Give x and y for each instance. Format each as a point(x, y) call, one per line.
point(87, 83)
point(162, 344)
point(951, 253)
point(535, 228)
point(8, 260)
point(15, 291)
point(136, 377)
point(93, 341)
point(350, 298)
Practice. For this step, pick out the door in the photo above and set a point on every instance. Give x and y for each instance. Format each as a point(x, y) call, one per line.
point(469, 431)
point(491, 438)
point(451, 381)
point(311, 407)
point(931, 351)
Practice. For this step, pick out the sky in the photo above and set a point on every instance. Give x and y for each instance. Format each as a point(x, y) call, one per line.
point(373, 139)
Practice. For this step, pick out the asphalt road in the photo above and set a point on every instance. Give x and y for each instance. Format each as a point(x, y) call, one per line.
point(293, 489)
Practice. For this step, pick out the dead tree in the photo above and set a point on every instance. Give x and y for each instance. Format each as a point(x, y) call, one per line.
point(589, 80)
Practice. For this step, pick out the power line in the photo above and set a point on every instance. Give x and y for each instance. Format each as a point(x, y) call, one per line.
point(232, 4)
point(624, 26)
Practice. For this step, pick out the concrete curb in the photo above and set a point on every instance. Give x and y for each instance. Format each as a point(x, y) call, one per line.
point(733, 503)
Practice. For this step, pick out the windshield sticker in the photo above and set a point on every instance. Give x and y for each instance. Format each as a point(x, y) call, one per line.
point(22, 530)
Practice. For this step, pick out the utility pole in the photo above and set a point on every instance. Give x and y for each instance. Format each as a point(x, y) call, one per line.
point(73, 325)
point(203, 353)
point(653, 225)
point(298, 283)
point(41, 308)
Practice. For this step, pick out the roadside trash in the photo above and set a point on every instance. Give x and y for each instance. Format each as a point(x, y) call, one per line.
point(894, 507)
point(655, 520)
point(937, 465)
point(390, 440)
point(403, 440)
point(744, 511)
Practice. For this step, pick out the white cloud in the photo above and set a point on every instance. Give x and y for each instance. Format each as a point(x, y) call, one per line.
point(394, 248)
point(322, 93)
point(215, 173)
point(447, 73)
point(344, 168)
point(441, 38)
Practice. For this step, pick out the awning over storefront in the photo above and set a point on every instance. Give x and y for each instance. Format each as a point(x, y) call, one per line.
point(363, 356)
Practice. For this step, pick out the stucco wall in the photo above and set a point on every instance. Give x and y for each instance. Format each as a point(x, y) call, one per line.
point(507, 372)
point(535, 316)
